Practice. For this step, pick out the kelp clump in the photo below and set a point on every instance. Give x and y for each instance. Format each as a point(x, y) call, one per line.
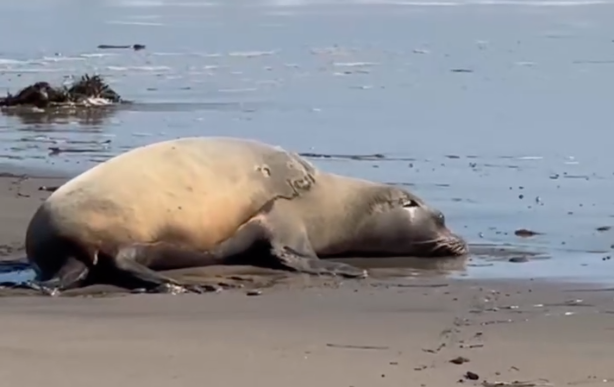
point(87, 91)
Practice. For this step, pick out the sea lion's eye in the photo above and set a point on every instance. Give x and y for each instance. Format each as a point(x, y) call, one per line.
point(441, 218)
point(410, 203)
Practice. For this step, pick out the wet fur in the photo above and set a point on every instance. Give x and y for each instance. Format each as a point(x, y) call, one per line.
point(198, 193)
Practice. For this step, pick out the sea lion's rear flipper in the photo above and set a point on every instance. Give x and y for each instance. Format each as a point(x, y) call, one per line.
point(130, 268)
point(73, 274)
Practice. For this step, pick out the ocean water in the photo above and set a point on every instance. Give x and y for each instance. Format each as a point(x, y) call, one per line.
point(497, 112)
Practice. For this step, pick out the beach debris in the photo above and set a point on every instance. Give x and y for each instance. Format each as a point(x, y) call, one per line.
point(539, 383)
point(524, 233)
point(497, 322)
point(471, 346)
point(351, 346)
point(87, 91)
point(591, 380)
point(48, 189)
point(255, 292)
point(510, 307)
point(461, 71)
point(572, 302)
point(135, 47)
point(518, 260)
point(471, 375)
point(54, 150)
point(401, 285)
point(459, 360)
point(603, 228)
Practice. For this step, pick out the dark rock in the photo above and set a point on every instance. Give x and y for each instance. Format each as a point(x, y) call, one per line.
point(471, 375)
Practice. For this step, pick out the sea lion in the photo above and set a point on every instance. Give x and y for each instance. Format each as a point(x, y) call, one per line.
point(200, 201)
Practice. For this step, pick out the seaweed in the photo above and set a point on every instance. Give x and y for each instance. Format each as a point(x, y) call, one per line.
point(42, 95)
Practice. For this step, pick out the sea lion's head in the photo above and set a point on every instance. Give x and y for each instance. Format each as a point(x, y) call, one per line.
point(402, 224)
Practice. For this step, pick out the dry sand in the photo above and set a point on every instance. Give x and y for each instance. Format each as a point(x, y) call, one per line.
point(303, 332)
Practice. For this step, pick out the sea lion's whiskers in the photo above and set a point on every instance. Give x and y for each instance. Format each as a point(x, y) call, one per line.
point(436, 240)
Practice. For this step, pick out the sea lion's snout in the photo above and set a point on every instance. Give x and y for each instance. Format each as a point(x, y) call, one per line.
point(449, 245)
point(446, 242)
point(425, 232)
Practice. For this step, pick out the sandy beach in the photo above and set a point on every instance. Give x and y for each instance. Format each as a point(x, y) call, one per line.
point(493, 111)
point(302, 331)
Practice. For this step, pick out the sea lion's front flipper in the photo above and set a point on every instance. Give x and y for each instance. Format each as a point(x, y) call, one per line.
point(291, 248)
point(279, 239)
point(311, 264)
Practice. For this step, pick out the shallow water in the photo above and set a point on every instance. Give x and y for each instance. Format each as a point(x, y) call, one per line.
point(497, 112)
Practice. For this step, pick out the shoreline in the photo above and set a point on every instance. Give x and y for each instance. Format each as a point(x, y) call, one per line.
point(22, 189)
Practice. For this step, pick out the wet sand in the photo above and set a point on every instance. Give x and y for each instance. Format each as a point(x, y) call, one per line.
point(302, 331)
point(357, 335)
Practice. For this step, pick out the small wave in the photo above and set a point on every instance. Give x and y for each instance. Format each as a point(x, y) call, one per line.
point(160, 3)
point(138, 68)
point(251, 54)
point(144, 17)
point(34, 70)
point(135, 23)
point(530, 158)
point(97, 55)
point(61, 59)
point(238, 90)
point(169, 54)
point(11, 62)
point(354, 64)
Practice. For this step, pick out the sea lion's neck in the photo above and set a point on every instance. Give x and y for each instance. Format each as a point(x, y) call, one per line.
point(334, 208)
